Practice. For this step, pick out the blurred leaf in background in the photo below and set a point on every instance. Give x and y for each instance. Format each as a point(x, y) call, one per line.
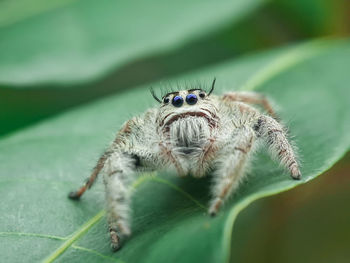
point(58, 54)
point(83, 45)
point(307, 224)
point(85, 40)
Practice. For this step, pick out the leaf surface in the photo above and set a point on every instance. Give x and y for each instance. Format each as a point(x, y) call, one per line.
point(41, 164)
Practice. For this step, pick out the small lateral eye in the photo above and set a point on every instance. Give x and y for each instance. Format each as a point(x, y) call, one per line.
point(166, 100)
point(201, 94)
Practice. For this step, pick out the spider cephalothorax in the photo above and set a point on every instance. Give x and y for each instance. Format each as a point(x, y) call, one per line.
point(186, 103)
point(192, 131)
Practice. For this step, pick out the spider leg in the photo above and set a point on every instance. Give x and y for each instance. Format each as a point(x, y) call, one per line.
point(251, 98)
point(231, 168)
point(273, 133)
point(124, 132)
point(119, 166)
point(75, 195)
point(118, 171)
point(118, 175)
point(206, 156)
point(169, 156)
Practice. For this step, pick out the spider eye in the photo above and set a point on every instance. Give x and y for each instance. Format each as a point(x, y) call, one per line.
point(178, 101)
point(166, 100)
point(191, 99)
point(201, 94)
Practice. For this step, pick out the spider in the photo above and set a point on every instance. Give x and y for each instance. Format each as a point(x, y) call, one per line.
point(193, 132)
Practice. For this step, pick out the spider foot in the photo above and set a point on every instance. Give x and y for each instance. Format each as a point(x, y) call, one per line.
point(212, 213)
point(215, 207)
point(117, 239)
point(74, 195)
point(295, 173)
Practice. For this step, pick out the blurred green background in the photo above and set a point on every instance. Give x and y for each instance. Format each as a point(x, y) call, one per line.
point(306, 224)
point(56, 55)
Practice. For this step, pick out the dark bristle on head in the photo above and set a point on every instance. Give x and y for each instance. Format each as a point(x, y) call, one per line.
point(165, 90)
point(212, 87)
point(154, 95)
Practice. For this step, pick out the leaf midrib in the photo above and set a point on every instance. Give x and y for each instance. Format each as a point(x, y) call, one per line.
point(20, 234)
point(75, 236)
point(95, 219)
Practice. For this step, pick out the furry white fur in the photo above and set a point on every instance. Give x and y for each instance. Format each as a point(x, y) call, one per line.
point(216, 132)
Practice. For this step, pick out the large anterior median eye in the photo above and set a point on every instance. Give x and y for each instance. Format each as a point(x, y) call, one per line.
point(191, 99)
point(178, 101)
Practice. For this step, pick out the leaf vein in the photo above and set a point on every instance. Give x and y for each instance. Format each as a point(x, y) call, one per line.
point(178, 189)
point(75, 236)
point(31, 235)
point(96, 253)
point(80, 232)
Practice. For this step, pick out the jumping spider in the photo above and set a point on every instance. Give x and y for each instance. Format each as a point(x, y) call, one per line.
point(192, 131)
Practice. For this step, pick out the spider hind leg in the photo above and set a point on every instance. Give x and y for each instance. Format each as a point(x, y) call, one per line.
point(75, 195)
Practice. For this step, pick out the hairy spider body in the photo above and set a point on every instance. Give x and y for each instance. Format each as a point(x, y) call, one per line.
point(193, 135)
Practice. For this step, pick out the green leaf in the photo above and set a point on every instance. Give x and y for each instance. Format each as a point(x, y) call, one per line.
point(76, 42)
point(41, 164)
point(15, 11)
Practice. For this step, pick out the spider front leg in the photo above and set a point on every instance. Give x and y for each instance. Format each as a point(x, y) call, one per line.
point(208, 153)
point(118, 169)
point(166, 151)
point(273, 133)
point(251, 98)
point(118, 175)
point(231, 168)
